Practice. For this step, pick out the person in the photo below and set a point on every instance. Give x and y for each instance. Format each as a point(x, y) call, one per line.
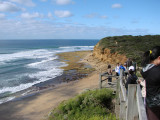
point(151, 74)
point(134, 64)
point(109, 73)
point(121, 67)
point(126, 70)
point(132, 78)
point(117, 69)
point(125, 65)
point(129, 62)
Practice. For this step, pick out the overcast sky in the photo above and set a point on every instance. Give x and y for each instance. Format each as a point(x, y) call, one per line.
point(77, 19)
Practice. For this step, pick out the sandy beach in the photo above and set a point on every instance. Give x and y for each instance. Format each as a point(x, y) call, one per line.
point(37, 106)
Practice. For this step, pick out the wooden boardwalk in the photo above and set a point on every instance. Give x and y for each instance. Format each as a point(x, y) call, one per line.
point(127, 107)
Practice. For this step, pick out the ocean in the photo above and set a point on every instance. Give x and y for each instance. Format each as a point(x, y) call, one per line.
point(24, 63)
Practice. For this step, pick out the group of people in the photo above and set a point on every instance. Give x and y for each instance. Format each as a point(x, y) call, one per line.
point(129, 70)
point(151, 83)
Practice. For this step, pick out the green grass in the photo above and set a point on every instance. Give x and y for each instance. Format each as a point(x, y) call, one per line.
point(90, 105)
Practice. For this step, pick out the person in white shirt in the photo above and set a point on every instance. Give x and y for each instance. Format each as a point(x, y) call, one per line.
point(117, 69)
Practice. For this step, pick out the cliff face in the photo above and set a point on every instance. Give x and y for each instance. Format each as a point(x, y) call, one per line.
point(106, 56)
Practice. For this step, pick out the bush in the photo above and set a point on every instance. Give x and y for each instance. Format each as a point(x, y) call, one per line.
point(132, 46)
point(90, 105)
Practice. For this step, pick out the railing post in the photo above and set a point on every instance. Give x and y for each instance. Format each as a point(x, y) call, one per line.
point(118, 91)
point(100, 81)
point(132, 112)
point(121, 74)
point(122, 95)
point(121, 77)
point(117, 105)
point(122, 115)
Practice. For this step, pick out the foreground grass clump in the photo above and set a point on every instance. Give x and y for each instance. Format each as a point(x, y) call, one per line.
point(90, 105)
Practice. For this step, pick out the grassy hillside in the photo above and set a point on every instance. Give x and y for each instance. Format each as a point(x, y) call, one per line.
point(132, 46)
point(90, 105)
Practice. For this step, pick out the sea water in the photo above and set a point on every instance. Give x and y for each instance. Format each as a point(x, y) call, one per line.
point(24, 63)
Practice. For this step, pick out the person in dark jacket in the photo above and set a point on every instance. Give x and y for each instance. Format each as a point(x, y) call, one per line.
point(109, 73)
point(151, 73)
point(129, 63)
point(132, 78)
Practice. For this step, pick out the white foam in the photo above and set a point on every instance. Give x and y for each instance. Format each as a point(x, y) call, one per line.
point(6, 99)
point(76, 48)
point(48, 65)
point(2, 63)
point(41, 76)
point(41, 62)
point(81, 47)
point(31, 54)
point(44, 75)
point(40, 53)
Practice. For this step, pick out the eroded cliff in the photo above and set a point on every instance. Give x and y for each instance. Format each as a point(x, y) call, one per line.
point(106, 55)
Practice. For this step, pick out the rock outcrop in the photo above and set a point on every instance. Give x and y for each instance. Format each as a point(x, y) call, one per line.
point(106, 56)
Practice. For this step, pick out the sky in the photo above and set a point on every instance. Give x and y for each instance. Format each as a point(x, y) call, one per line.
point(78, 19)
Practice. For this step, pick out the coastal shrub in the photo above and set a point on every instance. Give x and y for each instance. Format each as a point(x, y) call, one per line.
point(90, 105)
point(132, 46)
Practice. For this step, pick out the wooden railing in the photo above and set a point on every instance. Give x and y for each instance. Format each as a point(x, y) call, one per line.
point(131, 104)
point(104, 77)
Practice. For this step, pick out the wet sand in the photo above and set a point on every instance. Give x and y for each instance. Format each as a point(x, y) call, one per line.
point(37, 105)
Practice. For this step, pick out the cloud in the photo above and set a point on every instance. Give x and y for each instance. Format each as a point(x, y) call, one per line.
point(117, 6)
point(50, 15)
point(104, 17)
point(134, 21)
point(63, 14)
point(43, 0)
point(24, 2)
point(63, 2)
point(2, 16)
point(31, 16)
point(9, 7)
point(92, 15)
point(95, 15)
point(35, 29)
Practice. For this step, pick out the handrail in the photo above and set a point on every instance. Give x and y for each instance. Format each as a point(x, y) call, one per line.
point(134, 107)
point(121, 85)
point(131, 107)
point(106, 78)
point(140, 104)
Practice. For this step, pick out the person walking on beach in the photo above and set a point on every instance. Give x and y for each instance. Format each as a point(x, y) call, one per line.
point(109, 73)
point(151, 74)
point(117, 69)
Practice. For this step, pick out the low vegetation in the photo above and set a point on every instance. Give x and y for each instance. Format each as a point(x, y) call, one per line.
point(132, 46)
point(90, 105)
